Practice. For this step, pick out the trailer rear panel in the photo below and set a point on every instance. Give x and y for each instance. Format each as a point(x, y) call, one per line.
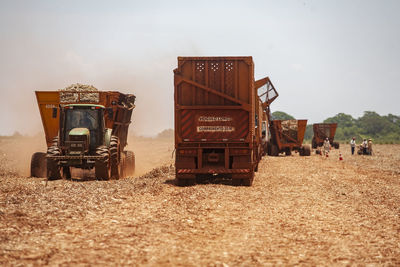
point(215, 114)
point(322, 131)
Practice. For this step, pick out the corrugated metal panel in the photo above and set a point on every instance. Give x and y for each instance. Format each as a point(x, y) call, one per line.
point(216, 88)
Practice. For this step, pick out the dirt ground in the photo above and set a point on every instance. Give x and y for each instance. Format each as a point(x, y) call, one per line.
point(300, 210)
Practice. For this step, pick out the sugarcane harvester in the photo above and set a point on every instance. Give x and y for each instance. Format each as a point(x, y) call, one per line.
point(84, 129)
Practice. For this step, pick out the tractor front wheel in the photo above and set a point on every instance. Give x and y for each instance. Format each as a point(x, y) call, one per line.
point(102, 165)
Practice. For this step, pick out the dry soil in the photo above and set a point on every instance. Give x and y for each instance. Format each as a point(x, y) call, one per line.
point(300, 210)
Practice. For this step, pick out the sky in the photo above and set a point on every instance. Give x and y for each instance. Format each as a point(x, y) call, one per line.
point(324, 57)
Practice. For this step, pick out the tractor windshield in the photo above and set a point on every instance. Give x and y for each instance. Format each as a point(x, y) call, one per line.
point(84, 118)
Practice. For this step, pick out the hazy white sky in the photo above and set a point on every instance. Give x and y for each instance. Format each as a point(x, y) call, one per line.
point(324, 57)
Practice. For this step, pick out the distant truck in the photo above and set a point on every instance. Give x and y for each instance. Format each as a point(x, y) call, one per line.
point(287, 136)
point(220, 123)
point(84, 129)
point(323, 131)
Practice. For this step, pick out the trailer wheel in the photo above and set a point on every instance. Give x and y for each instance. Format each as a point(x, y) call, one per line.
point(185, 181)
point(274, 150)
point(129, 163)
point(38, 164)
point(236, 182)
point(314, 143)
point(288, 152)
point(67, 172)
point(102, 165)
point(336, 145)
point(115, 157)
point(53, 169)
point(249, 180)
point(306, 150)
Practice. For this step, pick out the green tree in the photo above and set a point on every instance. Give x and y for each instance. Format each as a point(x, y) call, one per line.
point(343, 120)
point(280, 115)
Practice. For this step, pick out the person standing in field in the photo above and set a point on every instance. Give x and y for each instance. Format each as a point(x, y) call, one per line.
point(369, 146)
point(327, 146)
point(364, 145)
point(353, 145)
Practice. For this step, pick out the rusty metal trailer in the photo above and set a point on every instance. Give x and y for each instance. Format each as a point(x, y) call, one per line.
point(218, 119)
point(286, 136)
point(116, 111)
point(323, 131)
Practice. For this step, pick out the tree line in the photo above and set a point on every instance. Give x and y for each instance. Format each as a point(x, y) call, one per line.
point(382, 129)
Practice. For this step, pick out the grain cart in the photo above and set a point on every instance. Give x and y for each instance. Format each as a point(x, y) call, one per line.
point(286, 136)
point(84, 129)
point(218, 119)
point(321, 132)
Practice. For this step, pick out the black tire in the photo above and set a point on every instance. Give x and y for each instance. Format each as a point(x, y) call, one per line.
point(236, 182)
point(67, 172)
point(336, 145)
point(115, 157)
point(102, 165)
point(53, 168)
point(314, 143)
point(130, 163)
point(301, 151)
point(306, 150)
point(288, 152)
point(185, 181)
point(274, 150)
point(249, 180)
point(38, 164)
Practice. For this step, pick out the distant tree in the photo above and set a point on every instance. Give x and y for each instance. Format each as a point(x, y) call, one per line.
point(343, 120)
point(373, 124)
point(382, 129)
point(280, 115)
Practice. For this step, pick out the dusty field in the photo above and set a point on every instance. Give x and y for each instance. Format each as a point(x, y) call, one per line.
point(300, 210)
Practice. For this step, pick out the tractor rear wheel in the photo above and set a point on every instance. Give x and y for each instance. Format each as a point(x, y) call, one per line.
point(38, 164)
point(115, 157)
point(102, 165)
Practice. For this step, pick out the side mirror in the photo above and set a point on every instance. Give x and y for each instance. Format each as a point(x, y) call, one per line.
point(110, 113)
point(54, 115)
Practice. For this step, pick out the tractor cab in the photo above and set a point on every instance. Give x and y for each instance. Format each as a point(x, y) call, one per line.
point(82, 128)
